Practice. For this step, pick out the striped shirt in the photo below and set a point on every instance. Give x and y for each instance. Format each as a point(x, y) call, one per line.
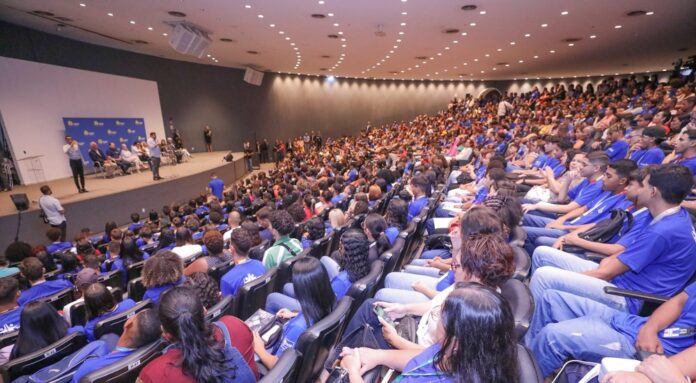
point(284, 248)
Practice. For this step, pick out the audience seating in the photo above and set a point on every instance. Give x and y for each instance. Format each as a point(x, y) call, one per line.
point(365, 287)
point(28, 364)
point(523, 263)
point(529, 371)
point(136, 289)
point(217, 272)
point(337, 233)
point(257, 251)
point(285, 269)
point(650, 301)
point(224, 307)
point(320, 247)
point(521, 303)
point(114, 324)
point(316, 343)
point(61, 298)
point(111, 279)
point(252, 295)
point(285, 370)
point(8, 339)
point(127, 369)
point(392, 256)
point(78, 313)
point(135, 270)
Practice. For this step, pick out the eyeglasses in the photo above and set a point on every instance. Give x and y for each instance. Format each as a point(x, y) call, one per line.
point(455, 266)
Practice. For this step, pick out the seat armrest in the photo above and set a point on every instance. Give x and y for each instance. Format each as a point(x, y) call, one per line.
point(654, 298)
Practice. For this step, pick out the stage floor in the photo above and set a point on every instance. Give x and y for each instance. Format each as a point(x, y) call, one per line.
point(64, 189)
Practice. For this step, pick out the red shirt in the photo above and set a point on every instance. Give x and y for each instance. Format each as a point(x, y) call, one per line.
point(166, 367)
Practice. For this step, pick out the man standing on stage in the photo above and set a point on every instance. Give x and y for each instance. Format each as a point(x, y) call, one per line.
point(51, 207)
point(72, 149)
point(155, 156)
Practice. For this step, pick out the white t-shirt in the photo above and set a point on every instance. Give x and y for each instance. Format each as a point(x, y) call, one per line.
point(187, 251)
point(427, 327)
point(52, 207)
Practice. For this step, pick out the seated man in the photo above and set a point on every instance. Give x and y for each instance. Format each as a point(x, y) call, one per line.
point(99, 159)
point(245, 269)
point(9, 309)
point(284, 247)
point(53, 234)
point(114, 153)
point(138, 331)
point(650, 152)
point(33, 270)
point(659, 261)
point(419, 189)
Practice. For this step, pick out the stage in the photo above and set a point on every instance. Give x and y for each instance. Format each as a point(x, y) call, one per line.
point(116, 198)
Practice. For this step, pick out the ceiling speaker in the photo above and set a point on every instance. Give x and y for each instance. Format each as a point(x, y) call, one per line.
point(253, 76)
point(189, 40)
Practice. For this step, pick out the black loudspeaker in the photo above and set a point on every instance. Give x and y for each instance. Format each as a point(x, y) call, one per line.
point(229, 157)
point(20, 201)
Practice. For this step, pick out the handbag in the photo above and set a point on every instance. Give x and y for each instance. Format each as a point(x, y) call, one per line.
point(605, 230)
point(407, 327)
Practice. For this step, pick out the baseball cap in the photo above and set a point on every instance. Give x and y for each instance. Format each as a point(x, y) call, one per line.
point(86, 277)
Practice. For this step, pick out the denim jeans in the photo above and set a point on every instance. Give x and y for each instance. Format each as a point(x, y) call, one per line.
point(549, 256)
point(366, 315)
point(534, 225)
point(397, 288)
point(423, 270)
point(576, 328)
point(430, 254)
point(331, 266)
point(277, 301)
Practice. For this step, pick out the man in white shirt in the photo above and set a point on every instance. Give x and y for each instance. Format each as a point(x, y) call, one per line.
point(155, 156)
point(53, 210)
point(72, 150)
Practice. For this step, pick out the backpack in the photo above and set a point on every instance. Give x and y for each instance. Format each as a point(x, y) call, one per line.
point(242, 372)
point(605, 230)
point(63, 370)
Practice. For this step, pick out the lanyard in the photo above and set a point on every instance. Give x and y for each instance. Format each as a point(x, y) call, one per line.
point(420, 374)
point(666, 213)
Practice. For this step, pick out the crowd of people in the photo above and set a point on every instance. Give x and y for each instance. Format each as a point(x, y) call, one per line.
point(595, 185)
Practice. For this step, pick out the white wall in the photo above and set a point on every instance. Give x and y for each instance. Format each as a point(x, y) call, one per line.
point(35, 97)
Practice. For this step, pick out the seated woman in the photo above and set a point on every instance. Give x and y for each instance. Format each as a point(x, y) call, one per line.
point(397, 219)
point(199, 352)
point(217, 255)
point(336, 220)
point(39, 326)
point(161, 272)
point(374, 193)
point(314, 229)
point(69, 265)
point(316, 301)
point(422, 283)
point(206, 287)
point(485, 258)
point(167, 240)
point(100, 305)
point(131, 158)
point(351, 266)
point(374, 227)
point(185, 247)
point(475, 343)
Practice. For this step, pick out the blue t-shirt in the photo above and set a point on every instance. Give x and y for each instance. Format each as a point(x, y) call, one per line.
point(540, 161)
point(661, 259)
point(688, 162)
point(556, 165)
point(266, 235)
point(601, 209)
point(239, 275)
point(422, 369)
point(629, 325)
point(135, 226)
point(291, 333)
point(445, 281)
point(340, 284)
point(154, 293)
point(306, 243)
point(575, 190)
point(42, 290)
point(653, 156)
point(641, 220)
point(415, 207)
point(126, 304)
point(352, 175)
point(9, 320)
point(391, 233)
point(591, 192)
point(617, 150)
point(94, 364)
point(58, 246)
point(217, 185)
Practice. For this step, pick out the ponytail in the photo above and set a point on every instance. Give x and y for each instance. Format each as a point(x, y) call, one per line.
point(383, 243)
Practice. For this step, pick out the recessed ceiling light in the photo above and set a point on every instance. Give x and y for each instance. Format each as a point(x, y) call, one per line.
point(447, 48)
point(164, 34)
point(487, 55)
point(593, 36)
point(401, 33)
point(110, 14)
point(463, 33)
point(544, 25)
point(552, 51)
point(149, 28)
point(472, 24)
point(564, 13)
point(132, 22)
point(260, 16)
point(438, 53)
point(321, 2)
point(527, 35)
point(649, 13)
point(335, 24)
point(281, 32)
point(520, 61)
point(403, 24)
point(404, 13)
point(571, 44)
point(617, 26)
point(536, 57)
point(482, 12)
point(507, 65)
point(499, 49)
point(512, 43)
point(292, 44)
point(476, 60)
point(83, 4)
point(403, 1)
point(398, 40)
point(340, 33)
point(247, 6)
point(330, 14)
point(287, 38)
point(272, 25)
point(455, 42)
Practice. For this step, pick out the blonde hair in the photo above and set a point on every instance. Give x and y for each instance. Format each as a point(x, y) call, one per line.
point(337, 218)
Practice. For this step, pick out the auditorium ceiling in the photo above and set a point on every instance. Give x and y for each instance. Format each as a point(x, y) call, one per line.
point(392, 39)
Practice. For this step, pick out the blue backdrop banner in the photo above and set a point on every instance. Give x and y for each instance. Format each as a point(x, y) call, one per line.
point(104, 131)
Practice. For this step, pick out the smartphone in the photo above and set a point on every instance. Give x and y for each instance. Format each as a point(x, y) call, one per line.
point(382, 314)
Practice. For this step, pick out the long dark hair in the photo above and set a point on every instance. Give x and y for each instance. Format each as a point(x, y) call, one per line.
point(98, 300)
point(39, 326)
point(166, 238)
point(397, 214)
point(479, 342)
point(354, 255)
point(203, 358)
point(130, 253)
point(376, 225)
point(312, 289)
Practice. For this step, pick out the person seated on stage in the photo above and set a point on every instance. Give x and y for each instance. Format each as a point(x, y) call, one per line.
point(33, 270)
point(101, 304)
point(115, 154)
point(53, 234)
point(139, 330)
point(185, 248)
point(101, 160)
point(137, 149)
point(9, 309)
point(170, 152)
point(161, 272)
point(217, 256)
point(131, 158)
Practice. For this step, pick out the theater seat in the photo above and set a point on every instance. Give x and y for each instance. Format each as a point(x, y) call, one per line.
point(61, 298)
point(320, 247)
point(336, 236)
point(114, 324)
point(28, 364)
point(521, 302)
point(285, 269)
point(523, 263)
point(257, 251)
point(519, 235)
point(528, 369)
point(392, 257)
point(127, 369)
point(315, 343)
point(111, 279)
point(252, 295)
point(135, 270)
point(136, 289)
point(285, 369)
point(8, 339)
point(216, 272)
point(224, 307)
point(365, 287)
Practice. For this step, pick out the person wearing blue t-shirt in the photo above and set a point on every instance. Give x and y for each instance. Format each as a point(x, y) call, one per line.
point(100, 305)
point(53, 234)
point(618, 147)
point(9, 309)
point(317, 300)
point(667, 330)
point(161, 272)
point(650, 152)
point(216, 186)
point(245, 270)
point(685, 150)
point(419, 188)
point(33, 270)
point(660, 260)
point(139, 330)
